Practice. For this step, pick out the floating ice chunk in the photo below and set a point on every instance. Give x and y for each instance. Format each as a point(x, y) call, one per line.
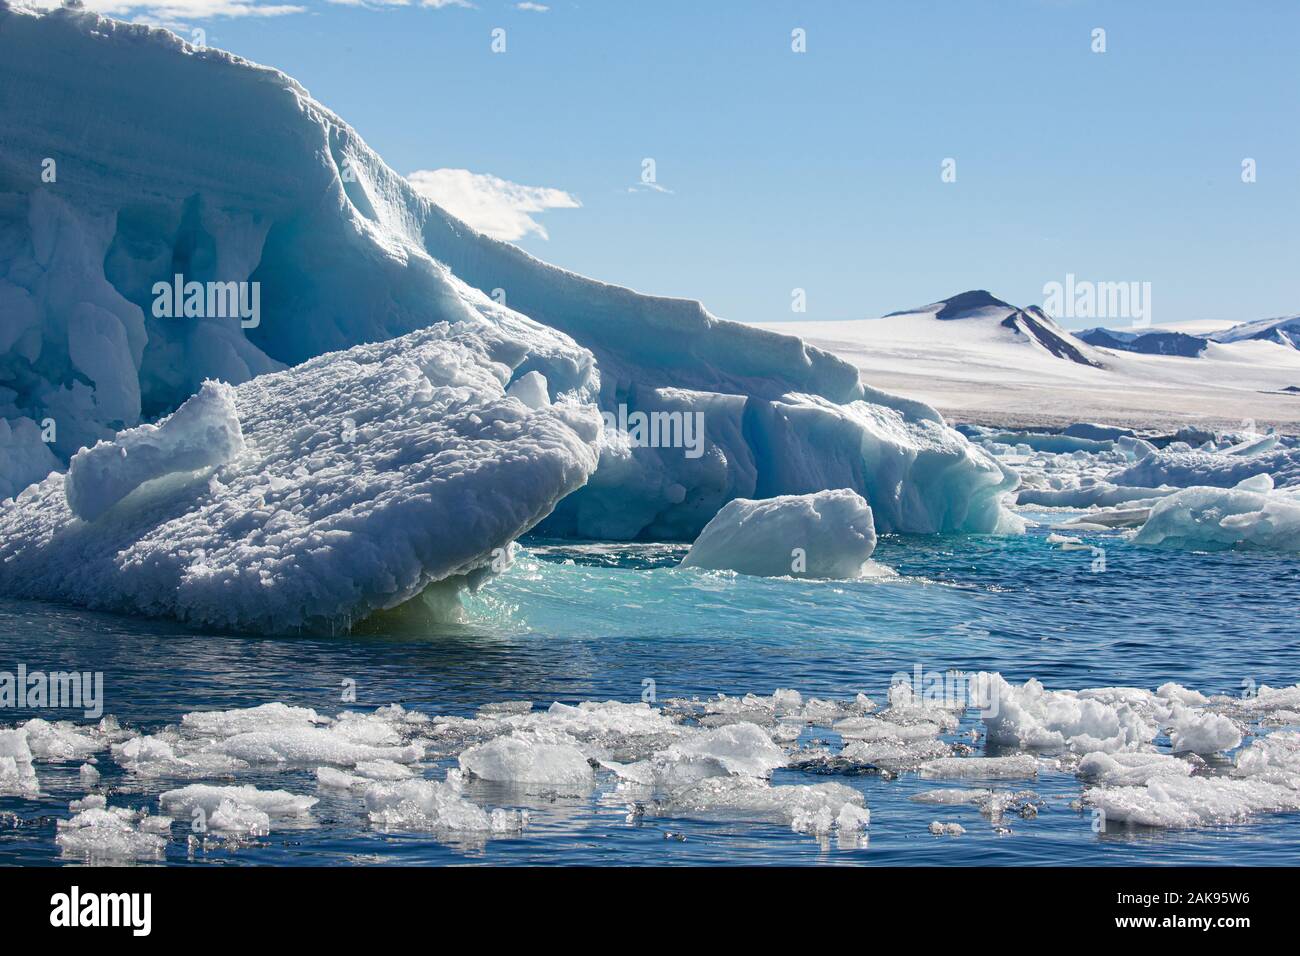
point(89, 775)
point(1275, 758)
point(873, 728)
point(786, 733)
point(156, 756)
point(1129, 769)
point(61, 741)
point(946, 829)
point(227, 723)
point(829, 534)
point(1084, 721)
point(740, 748)
point(203, 432)
point(893, 754)
point(523, 760)
point(950, 797)
point(1183, 695)
point(1217, 518)
point(1067, 543)
point(384, 770)
point(309, 745)
point(734, 749)
point(749, 797)
point(1169, 801)
point(208, 798)
point(430, 805)
point(17, 775)
point(1268, 699)
point(991, 768)
point(852, 817)
point(102, 834)
point(1201, 733)
point(786, 702)
point(335, 779)
point(233, 818)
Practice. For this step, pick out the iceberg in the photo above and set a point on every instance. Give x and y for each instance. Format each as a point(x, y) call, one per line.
point(298, 215)
point(825, 535)
point(366, 477)
point(1250, 515)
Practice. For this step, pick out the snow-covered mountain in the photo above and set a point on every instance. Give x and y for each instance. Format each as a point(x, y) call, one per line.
point(132, 164)
point(1157, 342)
point(1029, 326)
point(1283, 331)
point(979, 358)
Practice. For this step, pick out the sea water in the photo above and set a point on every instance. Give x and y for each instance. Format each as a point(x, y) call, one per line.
point(619, 622)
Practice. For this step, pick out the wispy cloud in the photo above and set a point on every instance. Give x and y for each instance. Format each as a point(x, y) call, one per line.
point(172, 12)
point(431, 4)
point(498, 207)
point(529, 5)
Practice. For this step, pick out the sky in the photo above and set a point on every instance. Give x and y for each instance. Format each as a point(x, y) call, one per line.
point(824, 170)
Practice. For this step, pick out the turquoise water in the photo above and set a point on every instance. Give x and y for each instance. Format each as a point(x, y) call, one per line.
point(575, 623)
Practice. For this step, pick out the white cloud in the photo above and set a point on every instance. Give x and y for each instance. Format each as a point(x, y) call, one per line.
point(498, 207)
point(529, 5)
point(169, 12)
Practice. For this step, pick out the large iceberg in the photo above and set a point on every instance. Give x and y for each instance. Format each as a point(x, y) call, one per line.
point(110, 197)
point(364, 477)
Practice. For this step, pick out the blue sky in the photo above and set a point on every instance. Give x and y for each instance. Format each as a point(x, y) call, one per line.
point(821, 170)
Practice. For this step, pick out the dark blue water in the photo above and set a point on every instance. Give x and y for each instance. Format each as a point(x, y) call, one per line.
point(592, 623)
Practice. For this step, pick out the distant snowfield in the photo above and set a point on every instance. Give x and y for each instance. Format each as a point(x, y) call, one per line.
point(970, 369)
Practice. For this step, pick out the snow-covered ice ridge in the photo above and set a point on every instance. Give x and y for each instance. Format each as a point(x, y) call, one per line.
point(1169, 758)
point(175, 160)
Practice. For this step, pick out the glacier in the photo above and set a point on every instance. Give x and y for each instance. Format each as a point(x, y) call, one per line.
point(107, 190)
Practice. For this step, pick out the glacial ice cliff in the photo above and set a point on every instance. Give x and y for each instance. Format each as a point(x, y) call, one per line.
point(129, 158)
